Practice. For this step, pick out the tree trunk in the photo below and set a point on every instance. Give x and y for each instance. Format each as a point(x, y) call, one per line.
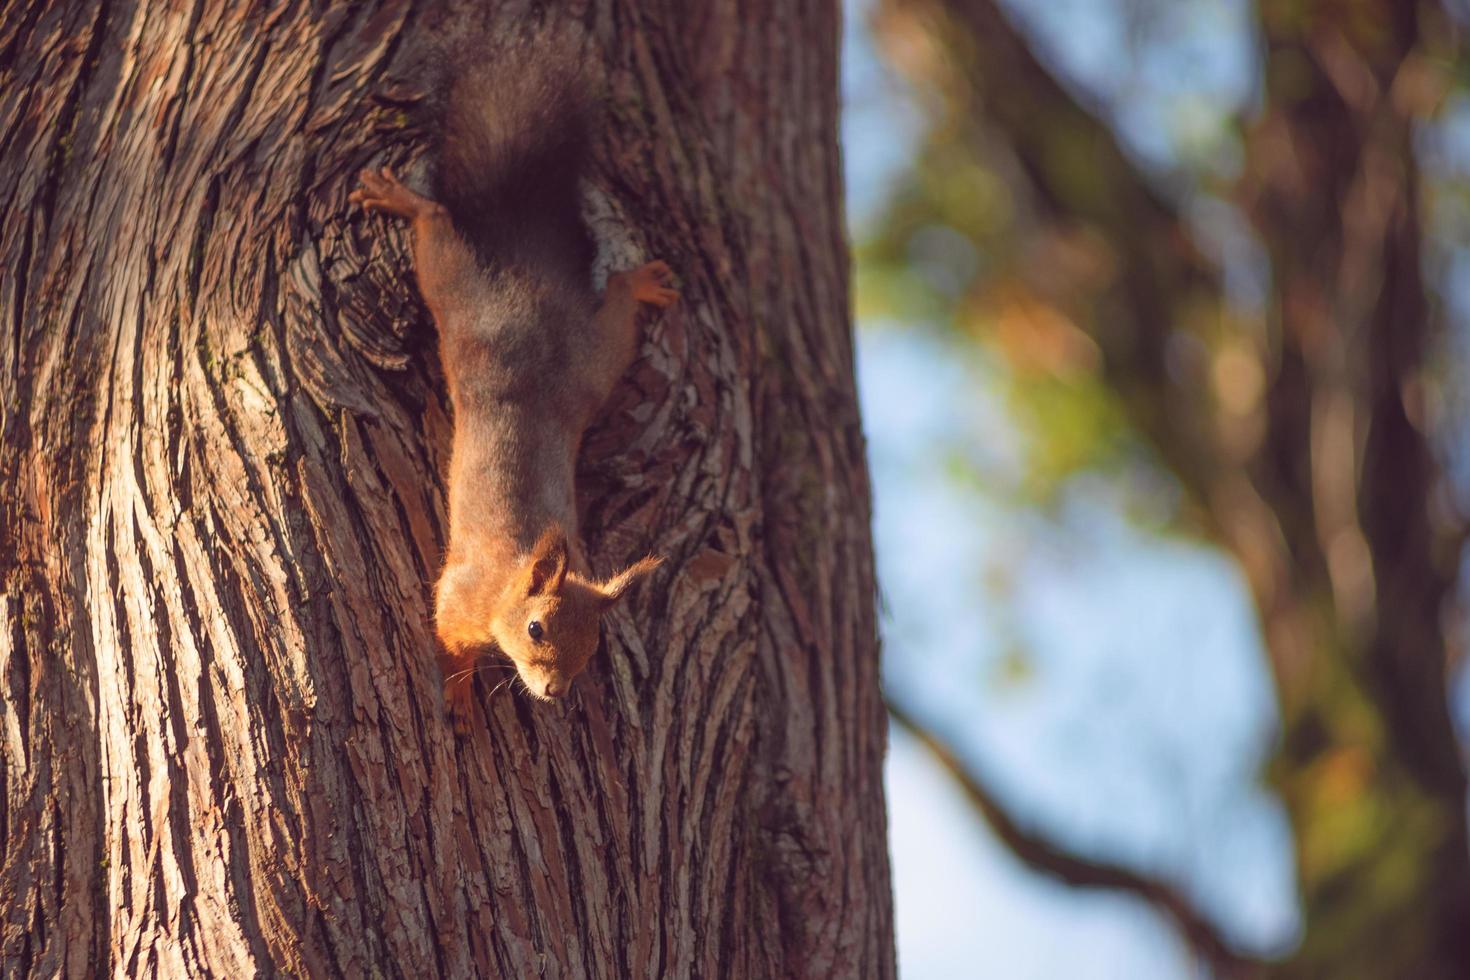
point(222, 509)
point(1369, 768)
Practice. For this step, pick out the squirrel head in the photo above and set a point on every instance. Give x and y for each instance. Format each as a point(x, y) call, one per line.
point(547, 620)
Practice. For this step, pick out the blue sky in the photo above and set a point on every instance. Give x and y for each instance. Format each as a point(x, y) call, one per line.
point(1135, 733)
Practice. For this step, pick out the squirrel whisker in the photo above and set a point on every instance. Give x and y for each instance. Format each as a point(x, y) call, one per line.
point(476, 669)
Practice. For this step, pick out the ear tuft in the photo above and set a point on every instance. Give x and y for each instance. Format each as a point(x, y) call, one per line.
point(548, 565)
point(617, 586)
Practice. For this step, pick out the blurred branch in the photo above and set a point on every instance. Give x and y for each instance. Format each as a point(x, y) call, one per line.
point(1022, 97)
point(1080, 177)
point(1049, 858)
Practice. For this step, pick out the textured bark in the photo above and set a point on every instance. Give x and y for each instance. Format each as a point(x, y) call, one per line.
point(221, 509)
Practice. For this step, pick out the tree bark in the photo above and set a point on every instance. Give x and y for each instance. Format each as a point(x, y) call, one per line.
point(222, 510)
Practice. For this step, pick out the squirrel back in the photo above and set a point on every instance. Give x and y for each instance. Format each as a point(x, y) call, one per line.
point(514, 142)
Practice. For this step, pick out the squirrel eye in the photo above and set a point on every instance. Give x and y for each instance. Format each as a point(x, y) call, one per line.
point(534, 628)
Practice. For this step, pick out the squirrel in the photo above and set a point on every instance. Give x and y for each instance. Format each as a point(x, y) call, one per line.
point(504, 263)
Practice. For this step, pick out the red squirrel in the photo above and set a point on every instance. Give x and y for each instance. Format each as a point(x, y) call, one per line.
point(530, 353)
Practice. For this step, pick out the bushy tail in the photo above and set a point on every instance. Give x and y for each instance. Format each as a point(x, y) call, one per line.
point(514, 143)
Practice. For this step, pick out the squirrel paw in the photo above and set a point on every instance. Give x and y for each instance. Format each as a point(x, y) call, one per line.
point(382, 191)
point(459, 685)
point(457, 695)
point(653, 284)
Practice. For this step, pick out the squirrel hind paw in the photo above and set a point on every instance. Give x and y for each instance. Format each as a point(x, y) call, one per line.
point(652, 283)
point(381, 190)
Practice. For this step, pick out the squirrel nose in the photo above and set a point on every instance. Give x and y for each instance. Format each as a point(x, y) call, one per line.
point(554, 690)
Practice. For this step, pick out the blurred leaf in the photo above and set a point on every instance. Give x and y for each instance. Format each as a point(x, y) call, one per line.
point(1013, 670)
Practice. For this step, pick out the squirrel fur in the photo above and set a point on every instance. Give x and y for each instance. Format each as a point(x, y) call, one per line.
point(530, 353)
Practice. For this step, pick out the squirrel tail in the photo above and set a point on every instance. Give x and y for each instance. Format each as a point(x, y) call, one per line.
point(514, 143)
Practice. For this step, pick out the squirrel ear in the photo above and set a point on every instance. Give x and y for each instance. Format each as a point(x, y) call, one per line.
point(548, 563)
point(617, 586)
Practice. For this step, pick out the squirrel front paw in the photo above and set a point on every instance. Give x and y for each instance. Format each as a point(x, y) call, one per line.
point(458, 694)
point(653, 284)
point(458, 670)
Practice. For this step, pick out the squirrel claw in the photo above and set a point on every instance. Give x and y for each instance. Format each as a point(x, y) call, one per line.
point(651, 284)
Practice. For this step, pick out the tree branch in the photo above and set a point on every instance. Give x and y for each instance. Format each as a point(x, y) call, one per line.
point(1038, 116)
point(1051, 859)
point(1080, 178)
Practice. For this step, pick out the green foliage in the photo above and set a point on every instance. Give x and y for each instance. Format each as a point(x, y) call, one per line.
point(951, 253)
